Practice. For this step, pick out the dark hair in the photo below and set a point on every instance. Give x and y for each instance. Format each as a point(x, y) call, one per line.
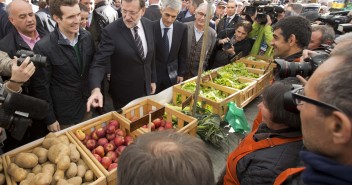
point(273, 99)
point(295, 25)
point(333, 88)
point(247, 26)
point(141, 2)
point(83, 8)
point(165, 158)
point(55, 6)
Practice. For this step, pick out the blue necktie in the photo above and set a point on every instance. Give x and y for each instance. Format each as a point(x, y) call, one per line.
point(138, 41)
point(166, 43)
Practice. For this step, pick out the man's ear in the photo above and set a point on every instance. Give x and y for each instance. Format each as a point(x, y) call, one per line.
point(143, 11)
point(56, 18)
point(292, 40)
point(341, 128)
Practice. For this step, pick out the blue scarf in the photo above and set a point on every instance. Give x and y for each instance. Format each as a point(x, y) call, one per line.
point(323, 171)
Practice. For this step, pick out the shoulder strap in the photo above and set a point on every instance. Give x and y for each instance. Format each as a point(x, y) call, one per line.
point(286, 174)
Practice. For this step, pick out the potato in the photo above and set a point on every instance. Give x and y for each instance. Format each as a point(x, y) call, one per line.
point(72, 171)
point(25, 182)
point(26, 160)
point(37, 169)
point(48, 142)
point(41, 179)
point(59, 174)
point(75, 180)
point(49, 169)
point(64, 139)
point(41, 153)
point(18, 174)
point(74, 156)
point(89, 176)
point(1, 165)
point(30, 176)
point(81, 170)
point(2, 179)
point(64, 163)
point(81, 162)
point(63, 182)
point(57, 151)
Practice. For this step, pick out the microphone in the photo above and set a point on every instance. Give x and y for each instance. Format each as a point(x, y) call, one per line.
point(26, 106)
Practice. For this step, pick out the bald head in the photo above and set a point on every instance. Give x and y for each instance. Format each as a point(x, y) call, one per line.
point(22, 17)
point(15, 4)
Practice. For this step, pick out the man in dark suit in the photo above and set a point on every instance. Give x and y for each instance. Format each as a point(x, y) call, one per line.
point(44, 21)
point(172, 50)
point(5, 25)
point(129, 43)
point(230, 19)
point(153, 11)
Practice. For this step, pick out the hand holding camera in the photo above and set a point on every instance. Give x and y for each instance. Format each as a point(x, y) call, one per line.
point(22, 73)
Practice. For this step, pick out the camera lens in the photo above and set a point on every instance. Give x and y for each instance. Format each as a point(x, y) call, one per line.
point(291, 69)
point(226, 46)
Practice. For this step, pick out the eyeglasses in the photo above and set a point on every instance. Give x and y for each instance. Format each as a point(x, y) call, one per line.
point(131, 13)
point(299, 98)
point(201, 14)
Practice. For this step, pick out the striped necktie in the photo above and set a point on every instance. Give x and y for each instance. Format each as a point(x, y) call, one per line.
point(166, 43)
point(138, 42)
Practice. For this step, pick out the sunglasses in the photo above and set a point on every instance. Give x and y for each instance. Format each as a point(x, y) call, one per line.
point(299, 97)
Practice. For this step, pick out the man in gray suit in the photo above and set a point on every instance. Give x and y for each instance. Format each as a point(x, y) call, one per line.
point(129, 44)
point(153, 11)
point(195, 40)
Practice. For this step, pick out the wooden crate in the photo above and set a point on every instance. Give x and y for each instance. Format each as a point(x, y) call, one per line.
point(185, 124)
point(217, 107)
point(8, 157)
point(89, 126)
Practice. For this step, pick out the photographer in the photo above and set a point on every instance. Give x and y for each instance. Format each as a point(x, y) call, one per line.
point(263, 35)
point(228, 47)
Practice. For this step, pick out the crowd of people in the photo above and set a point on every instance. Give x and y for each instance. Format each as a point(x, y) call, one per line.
point(100, 52)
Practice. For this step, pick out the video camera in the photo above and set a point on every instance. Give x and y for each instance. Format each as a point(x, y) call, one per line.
point(334, 19)
point(38, 60)
point(18, 110)
point(286, 69)
point(262, 11)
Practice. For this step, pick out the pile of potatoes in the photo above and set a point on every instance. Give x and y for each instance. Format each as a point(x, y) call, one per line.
point(56, 162)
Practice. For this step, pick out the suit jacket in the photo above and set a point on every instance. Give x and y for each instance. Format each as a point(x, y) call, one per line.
point(153, 13)
point(131, 76)
point(6, 26)
point(181, 17)
point(44, 21)
point(175, 65)
point(64, 82)
point(231, 24)
point(210, 45)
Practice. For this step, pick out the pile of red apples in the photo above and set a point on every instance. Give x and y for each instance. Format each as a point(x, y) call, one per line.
point(106, 143)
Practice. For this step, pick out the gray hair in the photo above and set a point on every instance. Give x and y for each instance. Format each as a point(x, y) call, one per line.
point(9, 6)
point(333, 88)
point(173, 4)
point(328, 33)
point(205, 5)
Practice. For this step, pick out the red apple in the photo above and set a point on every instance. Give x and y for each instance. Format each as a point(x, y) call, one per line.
point(112, 155)
point(144, 126)
point(100, 132)
point(162, 123)
point(97, 157)
point(120, 132)
point(114, 123)
point(117, 159)
point(91, 144)
point(110, 129)
point(119, 140)
point(94, 135)
point(128, 140)
point(106, 161)
point(102, 141)
point(157, 122)
point(161, 128)
point(80, 135)
point(100, 151)
point(168, 125)
point(86, 139)
point(110, 136)
point(113, 143)
point(109, 147)
point(152, 126)
point(120, 149)
point(112, 166)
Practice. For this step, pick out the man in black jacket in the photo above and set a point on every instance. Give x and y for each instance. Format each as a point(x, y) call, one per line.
point(64, 82)
point(172, 50)
point(231, 18)
point(5, 25)
point(44, 20)
point(153, 11)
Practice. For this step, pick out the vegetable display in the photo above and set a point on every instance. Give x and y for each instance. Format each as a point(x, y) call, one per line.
point(237, 69)
point(206, 92)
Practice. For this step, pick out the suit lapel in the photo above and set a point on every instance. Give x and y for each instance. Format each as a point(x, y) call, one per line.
point(127, 34)
point(148, 31)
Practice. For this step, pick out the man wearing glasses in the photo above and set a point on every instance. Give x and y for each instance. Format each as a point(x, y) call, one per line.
point(325, 109)
point(129, 44)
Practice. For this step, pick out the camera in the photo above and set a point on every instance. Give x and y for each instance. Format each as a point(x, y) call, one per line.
point(291, 69)
point(335, 19)
point(262, 10)
point(261, 18)
point(226, 45)
point(18, 110)
point(38, 60)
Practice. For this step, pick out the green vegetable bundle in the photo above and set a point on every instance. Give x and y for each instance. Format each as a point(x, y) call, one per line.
point(206, 92)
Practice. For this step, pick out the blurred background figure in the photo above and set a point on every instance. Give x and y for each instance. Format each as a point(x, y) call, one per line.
point(153, 11)
point(84, 15)
point(219, 11)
